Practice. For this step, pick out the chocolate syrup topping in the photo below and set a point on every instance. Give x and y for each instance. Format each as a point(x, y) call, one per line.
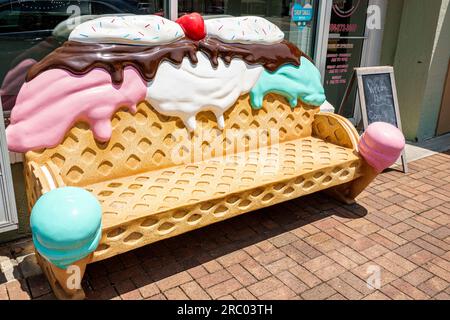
point(80, 58)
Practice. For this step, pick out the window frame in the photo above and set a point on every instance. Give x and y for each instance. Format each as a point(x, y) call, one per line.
point(8, 211)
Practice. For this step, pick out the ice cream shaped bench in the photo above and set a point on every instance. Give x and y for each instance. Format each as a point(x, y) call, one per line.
point(139, 129)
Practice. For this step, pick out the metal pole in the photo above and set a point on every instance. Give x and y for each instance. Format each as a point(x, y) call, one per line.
point(172, 9)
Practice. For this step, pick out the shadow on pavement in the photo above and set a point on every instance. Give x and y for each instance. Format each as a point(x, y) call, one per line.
point(171, 256)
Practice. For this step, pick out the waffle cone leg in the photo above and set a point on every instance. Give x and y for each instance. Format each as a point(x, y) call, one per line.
point(358, 186)
point(66, 227)
point(66, 284)
point(347, 193)
point(380, 146)
point(341, 194)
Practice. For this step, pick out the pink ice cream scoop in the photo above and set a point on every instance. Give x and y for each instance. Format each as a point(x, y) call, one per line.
point(52, 103)
point(381, 145)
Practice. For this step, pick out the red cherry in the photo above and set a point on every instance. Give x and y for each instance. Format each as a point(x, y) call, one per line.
point(193, 26)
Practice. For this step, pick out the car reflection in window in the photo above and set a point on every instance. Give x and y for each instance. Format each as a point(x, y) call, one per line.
point(30, 30)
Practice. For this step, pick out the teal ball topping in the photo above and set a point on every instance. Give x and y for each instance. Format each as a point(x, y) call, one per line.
point(66, 225)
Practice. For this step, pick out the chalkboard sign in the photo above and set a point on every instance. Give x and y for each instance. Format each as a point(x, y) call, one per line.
point(377, 96)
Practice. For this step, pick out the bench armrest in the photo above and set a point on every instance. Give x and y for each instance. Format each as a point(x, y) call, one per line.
point(335, 129)
point(379, 147)
point(41, 179)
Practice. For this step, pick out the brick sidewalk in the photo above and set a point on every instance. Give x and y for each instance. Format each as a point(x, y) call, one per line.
point(310, 248)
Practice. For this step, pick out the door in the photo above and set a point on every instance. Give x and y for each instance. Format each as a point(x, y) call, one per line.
point(5, 223)
point(8, 212)
point(346, 41)
point(444, 117)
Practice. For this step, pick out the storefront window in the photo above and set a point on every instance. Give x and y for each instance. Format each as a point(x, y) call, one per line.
point(345, 48)
point(297, 19)
point(31, 29)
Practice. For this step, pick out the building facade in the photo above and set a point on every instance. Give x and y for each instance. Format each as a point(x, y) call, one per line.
point(411, 35)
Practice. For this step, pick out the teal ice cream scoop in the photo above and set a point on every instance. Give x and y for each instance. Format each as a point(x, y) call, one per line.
point(66, 225)
point(293, 83)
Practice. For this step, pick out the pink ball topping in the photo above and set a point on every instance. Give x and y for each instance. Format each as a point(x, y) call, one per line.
point(381, 145)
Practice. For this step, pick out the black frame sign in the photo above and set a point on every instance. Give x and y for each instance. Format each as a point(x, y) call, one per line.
point(378, 98)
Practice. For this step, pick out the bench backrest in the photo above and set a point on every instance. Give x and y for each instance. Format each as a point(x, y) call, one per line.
point(149, 141)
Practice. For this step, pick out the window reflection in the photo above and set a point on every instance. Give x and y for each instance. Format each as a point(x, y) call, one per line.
point(279, 12)
point(31, 29)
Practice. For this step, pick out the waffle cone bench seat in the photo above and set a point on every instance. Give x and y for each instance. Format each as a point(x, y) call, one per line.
point(139, 129)
point(146, 198)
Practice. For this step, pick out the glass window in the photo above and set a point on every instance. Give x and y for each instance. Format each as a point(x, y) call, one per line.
point(31, 29)
point(297, 19)
point(345, 48)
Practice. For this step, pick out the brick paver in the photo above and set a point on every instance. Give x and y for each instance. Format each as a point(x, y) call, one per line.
point(309, 248)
